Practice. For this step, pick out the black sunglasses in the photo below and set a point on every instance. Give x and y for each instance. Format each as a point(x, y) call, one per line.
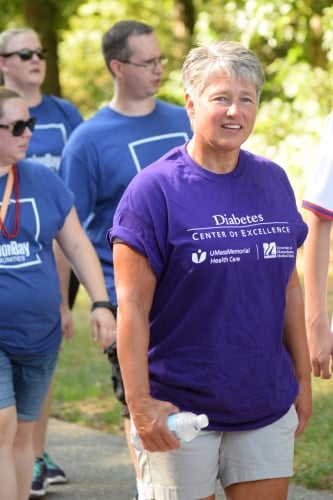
point(27, 54)
point(19, 127)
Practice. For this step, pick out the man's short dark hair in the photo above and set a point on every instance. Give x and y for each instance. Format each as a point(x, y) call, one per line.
point(115, 40)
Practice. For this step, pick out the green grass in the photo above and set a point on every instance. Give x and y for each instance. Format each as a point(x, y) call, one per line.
point(83, 391)
point(313, 450)
point(83, 394)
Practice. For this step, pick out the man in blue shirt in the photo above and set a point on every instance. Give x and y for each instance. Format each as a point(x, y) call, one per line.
point(108, 150)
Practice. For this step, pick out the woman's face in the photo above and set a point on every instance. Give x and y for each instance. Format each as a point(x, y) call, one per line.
point(224, 114)
point(22, 74)
point(13, 149)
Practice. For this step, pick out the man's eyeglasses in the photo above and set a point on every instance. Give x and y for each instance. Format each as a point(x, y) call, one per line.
point(26, 54)
point(18, 128)
point(151, 63)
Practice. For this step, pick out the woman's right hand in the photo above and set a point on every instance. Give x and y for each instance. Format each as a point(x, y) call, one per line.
point(149, 416)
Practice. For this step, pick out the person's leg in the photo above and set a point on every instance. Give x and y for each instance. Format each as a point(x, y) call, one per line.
point(266, 489)
point(8, 427)
point(41, 424)
point(8, 477)
point(258, 463)
point(55, 474)
point(44, 467)
point(31, 375)
point(24, 457)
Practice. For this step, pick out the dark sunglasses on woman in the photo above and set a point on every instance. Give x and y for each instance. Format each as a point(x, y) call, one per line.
point(26, 54)
point(18, 128)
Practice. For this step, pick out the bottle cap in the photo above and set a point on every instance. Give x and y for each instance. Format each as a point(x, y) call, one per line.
point(202, 420)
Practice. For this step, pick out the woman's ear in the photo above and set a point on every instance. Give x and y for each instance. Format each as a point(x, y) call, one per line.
point(189, 104)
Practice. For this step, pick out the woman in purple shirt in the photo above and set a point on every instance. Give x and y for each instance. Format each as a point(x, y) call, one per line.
point(210, 308)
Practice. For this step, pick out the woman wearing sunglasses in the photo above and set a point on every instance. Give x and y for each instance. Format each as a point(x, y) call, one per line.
point(35, 209)
point(23, 68)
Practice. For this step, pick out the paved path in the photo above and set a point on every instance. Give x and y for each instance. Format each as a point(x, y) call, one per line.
point(98, 466)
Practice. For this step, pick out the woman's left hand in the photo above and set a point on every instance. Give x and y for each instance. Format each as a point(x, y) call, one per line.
point(103, 326)
point(303, 405)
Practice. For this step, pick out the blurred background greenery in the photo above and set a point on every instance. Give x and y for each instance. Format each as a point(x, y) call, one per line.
point(294, 41)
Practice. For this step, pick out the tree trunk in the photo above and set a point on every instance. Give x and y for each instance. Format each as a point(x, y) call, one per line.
point(187, 14)
point(42, 17)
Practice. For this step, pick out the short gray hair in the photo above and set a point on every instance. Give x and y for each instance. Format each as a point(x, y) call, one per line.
point(211, 58)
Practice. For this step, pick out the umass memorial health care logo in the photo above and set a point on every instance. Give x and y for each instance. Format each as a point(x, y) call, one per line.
point(199, 257)
point(271, 251)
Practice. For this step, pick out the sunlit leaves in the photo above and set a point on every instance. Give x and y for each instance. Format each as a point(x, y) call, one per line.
point(293, 39)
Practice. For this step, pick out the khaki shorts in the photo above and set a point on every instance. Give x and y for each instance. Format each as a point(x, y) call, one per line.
point(190, 472)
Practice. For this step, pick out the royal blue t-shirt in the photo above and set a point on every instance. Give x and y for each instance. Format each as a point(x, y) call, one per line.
point(105, 153)
point(222, 247)
point(56, 120)
point(29, 286)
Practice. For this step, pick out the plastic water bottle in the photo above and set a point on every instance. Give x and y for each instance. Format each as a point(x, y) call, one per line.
point(185, 425)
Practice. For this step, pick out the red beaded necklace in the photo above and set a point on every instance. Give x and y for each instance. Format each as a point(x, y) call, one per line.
point(12, 179)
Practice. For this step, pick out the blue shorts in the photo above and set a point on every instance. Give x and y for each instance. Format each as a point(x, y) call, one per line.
point(24, 382)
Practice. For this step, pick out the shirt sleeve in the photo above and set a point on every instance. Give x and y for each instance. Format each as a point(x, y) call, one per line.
point(140, 221)
point(318, 196)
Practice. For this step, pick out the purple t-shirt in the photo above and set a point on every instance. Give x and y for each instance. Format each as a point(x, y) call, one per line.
point(222, 247)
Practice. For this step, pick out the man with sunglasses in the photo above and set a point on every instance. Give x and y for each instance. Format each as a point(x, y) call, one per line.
point(108, 150)
point(23, 68)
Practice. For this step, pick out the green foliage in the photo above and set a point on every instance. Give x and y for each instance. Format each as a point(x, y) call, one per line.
point(91, 369)
point(289, 123)
point(11, 14)
point(83, 391)
point(313, 449)
point(84, 76)
point(294, 41)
